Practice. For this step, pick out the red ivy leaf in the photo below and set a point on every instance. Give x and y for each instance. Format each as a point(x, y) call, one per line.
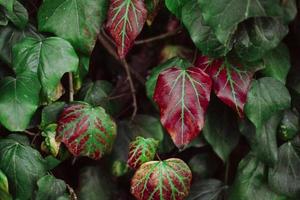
point(126, 19)
point(231, 84)
point(141, 150)
point(183, 96)
point(168, 180)
point(86, 130)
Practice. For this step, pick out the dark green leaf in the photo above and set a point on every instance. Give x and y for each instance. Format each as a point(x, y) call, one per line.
point(201, 34)
point(285, 176)
point(266, 97)
point(19, 15)
point(3, 18)
point(175, 6)
point(82, 71)
point(51, 113)
point(50, 188)
point(10, 35)
point(77, 21)
point(8, 4)
point(94, 184)
point(50, 58)
point(289, 126)
point(19, 100)
point(3, 182)
point(277, 63)
point(250, 182)
point(220, 131)
point(203, 165)
point(257, 36)
point(23, 166)
point(207, 189)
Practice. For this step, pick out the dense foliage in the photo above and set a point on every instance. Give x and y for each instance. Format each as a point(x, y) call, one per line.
point(149, 99)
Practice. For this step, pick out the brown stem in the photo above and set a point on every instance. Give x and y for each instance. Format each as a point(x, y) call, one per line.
point(71, 87)
point(30, 133)
point(72, 193)
point(159, 37)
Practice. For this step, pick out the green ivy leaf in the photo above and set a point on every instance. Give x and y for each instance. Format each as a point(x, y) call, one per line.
point(19, 15)
point(168, 179)
point(19, 100)
point(50, 188)
point(207, 189)
point(277, 63)
point(263, 140)
point(220, 131)
point(289, 126)
point(77, 21)
point(8, 4)
point(86, 130)
point(175, 6)
point(254, 38)
point(82, 71)
point(10, 35)
point(284, 177)
point(94, 184)
point(201, 34)
point(50, 145)
point(51, 113)
point(141, 150)
point(250, 182)
point(22, 165)
point(50, 58)
point(266, 97)
point(3, 18)
point(3, 182)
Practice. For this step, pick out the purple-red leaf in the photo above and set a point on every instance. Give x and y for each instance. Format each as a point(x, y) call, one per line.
point(141, 150)
point(183, 96)
point(86, 130)
point(168, 180)
point(231, 83)
point(126, 19)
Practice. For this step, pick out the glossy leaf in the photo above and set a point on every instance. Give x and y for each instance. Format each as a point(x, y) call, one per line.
point(50, 188)
point(183, 94)
point(207, 189)
point(285, 176)
point(250, 182)
point(126, 19)
point(168, 180)
point(3, 182)
point(22, 165)
point(277, 63)
point(8, 4)
point(221, 131)
point(141, 150)
point(175, 6)
point(201, 34)
point(254, 38)
point(19, 100)
point(77, 21)
point(266, 97)
point(10, 35)
point(51, 58)
point(19, 15)
point(86, 130)
point(231, 83)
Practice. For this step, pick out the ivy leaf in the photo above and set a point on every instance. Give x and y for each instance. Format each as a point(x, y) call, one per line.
point(203, 165)
point(50, 145)
point(50, 188)
point(220, 131)
point(77, 21)
point(231, 83)
point(183, 94)
point(284, 177)
point(215, 12)
point(51, 113)
point(201, 34)
point(169, 179)
point(265, 98)
point(290, 125)
point(152, 79)
point(22, 165)
point(277, 63)
point(3, 18)
point(19, 100)
point(8, 4)
point(254, 38)
point(86, 130)
point(10, 35)
point(81, 73)
point(250, 182)
point(50, 58)
point(175, 6)
point(19, 15)
point(126, 19)
point(209, 189)
point(4, 191)
point(141, 150)
point(263, 141)
point(153, 7)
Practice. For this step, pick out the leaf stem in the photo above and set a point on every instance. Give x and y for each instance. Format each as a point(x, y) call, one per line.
point(159, 37)
point(71, 87)
point(226, 176)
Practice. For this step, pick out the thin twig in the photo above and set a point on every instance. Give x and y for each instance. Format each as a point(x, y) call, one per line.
point(116, 96)
point(227, 165)
point(72, 193)
point(159, 37)
point(71, 87)
point(30, 133)
point(132, 88)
